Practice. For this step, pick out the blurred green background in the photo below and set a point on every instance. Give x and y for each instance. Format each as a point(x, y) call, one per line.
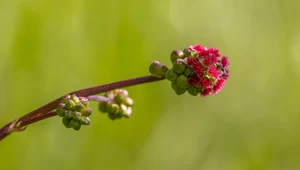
point(50, 47)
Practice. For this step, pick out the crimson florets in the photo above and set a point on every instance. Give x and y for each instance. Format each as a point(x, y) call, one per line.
point(199, 70)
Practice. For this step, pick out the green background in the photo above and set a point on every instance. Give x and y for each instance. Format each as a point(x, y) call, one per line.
point(50, 47)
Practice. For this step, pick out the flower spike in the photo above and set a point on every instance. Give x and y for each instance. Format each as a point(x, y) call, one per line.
point(198, 70)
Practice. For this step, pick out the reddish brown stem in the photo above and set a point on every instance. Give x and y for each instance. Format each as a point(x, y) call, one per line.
point(46, 111)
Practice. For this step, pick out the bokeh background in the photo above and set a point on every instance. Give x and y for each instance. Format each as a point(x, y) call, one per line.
point(50, 47)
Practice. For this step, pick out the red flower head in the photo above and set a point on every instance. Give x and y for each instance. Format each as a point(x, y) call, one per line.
point(206, 71)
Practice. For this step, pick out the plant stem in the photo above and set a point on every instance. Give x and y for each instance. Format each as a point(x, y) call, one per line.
point(46, 111)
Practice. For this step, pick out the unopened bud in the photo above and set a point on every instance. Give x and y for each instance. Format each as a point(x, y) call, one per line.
point(60, 111)
point(193, 90)
point(66, 122)
point(177, 89)
point(128, 101)
point(158, 70)
point(171, 75)
point(76, 115)
point(74, 98)
point(175, 55)
point(179, 66)
point(84, 120)
point(112, 108)
point(182, 81)
point(120, 98)
point(68, 114)
point(84, 101)
point(70, 104)
point(75, 124)
point(87, 112)
point(188, 72)
point(102, 106)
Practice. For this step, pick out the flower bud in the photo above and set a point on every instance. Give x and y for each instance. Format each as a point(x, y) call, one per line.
point(112, 116)
point(79, 107)
point(179, 66)
point(171, 75)
point(122, 91)
point(68, 114)
point(188, 72)
point(120, 98)
point(74, 98)
point(175, 55)
point(87, 112)
point(123, 109)
point(182, 81)
point(84, 120)
point(76, 124)
point(189, 52)
point(60, 111)
point(66, 122)
point(102, 107)
point(193, 90)
point(69, 104)
point(177, 89)
point(112, 108)
point(126, 111)
point(128, 101)
point(65, 98)
point(158, 70)
point(76, 115)
point(84, 101)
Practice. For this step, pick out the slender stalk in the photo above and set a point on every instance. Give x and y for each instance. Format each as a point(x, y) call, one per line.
point(98, 98)
point(46, 111)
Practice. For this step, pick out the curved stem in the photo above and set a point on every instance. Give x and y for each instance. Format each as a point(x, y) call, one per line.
point(46, 111)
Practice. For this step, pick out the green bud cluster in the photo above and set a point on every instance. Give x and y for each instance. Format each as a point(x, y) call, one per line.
point(75, 111)
point(118, 104)
point(180, 73)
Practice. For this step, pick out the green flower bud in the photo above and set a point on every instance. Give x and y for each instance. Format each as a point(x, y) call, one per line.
point(158, 70)
point(177, 89)
point(74, 98)
point(126, 111)
point(120, 98)
point(65, 98)
point(122, 91)
point(112, 108)
point(175, 55)
point(79, 107)
point(69, 104)
point(84, 120)
point(87, 112)
point(188, 72)
point(76, 115)
point(182, 81)
point(71, 123)
point(179, 67)
point(102, 106)
point(193, 90)
point(84, 101)
point(171, 75)
point(112, 116)
point(128, 101)
point(76, 124)
point(68, 114)
point(66, 122)
point(60, 111)
point(123, 109)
